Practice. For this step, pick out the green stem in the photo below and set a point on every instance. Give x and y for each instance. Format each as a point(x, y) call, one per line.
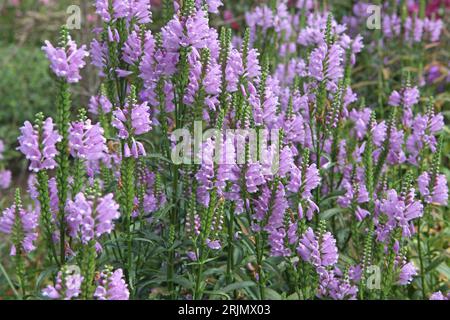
point(88, 271)
point(419, 252)
point(20, 271)
point(128, 192)
point(230, 258)
point(197, 292)
point(8, 279)
point(62, 172)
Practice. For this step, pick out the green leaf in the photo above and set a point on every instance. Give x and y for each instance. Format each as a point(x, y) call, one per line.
point(185, 283)
point(218, 293)
point(435, 263)
point(444, 269)
point(271, 294)
point(238, 285)
point(327, 214)
point(293, 296)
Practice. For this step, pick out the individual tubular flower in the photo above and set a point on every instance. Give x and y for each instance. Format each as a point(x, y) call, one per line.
point(360, 213)
point(111, 286)
point(439, 296)
point(67, 62)
point(213, 244)
point(39, 146)
point(89, 221)
point(67, 286)
point(311, 209)
point(22, 225)
point(407, 272)
point(86, 141)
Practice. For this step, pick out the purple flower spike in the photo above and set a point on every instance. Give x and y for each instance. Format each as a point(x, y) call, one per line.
point(29, 223)
point(319, 252)
point(40, 150)
point(66, 63)
point(86, 141)
point(70, 289)
point(112, 286)
point(89, 225)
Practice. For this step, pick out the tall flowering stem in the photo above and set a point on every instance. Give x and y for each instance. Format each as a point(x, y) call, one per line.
point(128, 193)
point(88, 258)
point(436, 160)
point(66, 63)
point(63, 109)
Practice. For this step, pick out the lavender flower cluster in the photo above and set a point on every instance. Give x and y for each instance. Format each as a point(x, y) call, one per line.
point(357, 184)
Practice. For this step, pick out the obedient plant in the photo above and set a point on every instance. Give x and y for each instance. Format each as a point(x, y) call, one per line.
point(301, 188)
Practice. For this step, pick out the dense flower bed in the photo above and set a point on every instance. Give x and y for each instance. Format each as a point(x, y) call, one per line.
point(302, 188)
